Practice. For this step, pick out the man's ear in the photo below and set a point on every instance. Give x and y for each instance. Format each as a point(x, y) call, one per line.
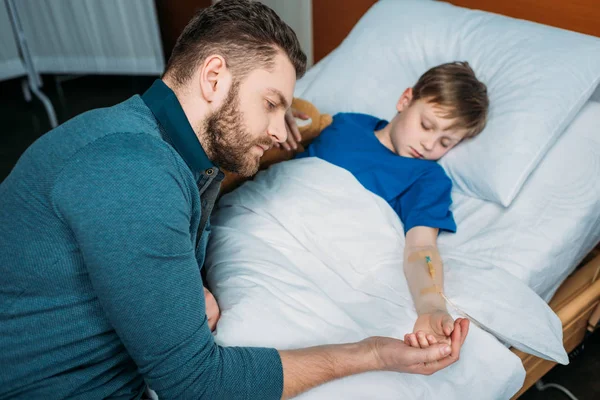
point(215, 79)
point(404, 100)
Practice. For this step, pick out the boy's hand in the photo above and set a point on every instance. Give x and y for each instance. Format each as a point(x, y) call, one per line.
point(293, 134)
point(212, 309)
point(431, 328)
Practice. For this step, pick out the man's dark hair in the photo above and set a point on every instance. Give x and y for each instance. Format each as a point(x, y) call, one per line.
point(246, 33)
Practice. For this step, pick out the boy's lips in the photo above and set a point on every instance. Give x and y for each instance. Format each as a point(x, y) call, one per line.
point(415, 153)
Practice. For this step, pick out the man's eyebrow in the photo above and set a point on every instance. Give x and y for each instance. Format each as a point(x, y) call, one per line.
point(280, 97)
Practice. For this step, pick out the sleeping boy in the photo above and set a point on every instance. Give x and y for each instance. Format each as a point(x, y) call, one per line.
point(397, 161)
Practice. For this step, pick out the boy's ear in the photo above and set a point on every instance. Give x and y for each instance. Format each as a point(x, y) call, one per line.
point(404, 100)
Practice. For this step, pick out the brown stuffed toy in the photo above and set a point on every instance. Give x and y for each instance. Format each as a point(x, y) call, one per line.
point(309, 130)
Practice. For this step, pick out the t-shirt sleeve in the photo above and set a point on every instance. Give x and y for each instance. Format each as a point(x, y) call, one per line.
point(427, 202)
point(323, 140)
point(128, 206)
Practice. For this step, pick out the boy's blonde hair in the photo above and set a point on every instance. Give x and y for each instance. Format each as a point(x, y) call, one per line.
point(454, 87)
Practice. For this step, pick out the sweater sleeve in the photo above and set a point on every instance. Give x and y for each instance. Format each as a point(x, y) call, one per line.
point(129, 205)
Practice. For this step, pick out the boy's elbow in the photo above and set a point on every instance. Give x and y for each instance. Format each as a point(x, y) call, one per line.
point(421, 236)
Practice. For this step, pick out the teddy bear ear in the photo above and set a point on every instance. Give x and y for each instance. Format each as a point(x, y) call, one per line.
point(326, 120)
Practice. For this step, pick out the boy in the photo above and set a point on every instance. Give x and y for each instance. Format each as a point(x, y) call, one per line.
point(397, 161)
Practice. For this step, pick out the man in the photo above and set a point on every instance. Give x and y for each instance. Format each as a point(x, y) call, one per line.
point(104, 223)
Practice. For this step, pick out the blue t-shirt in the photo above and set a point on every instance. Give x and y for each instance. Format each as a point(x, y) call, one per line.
point(418, 190)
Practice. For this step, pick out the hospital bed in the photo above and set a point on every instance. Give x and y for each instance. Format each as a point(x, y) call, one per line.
point(303, 255)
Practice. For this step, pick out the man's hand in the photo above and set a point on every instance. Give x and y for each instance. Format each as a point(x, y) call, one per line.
point(306, 368)
point(395, 355)
point(431, 328)
point(212, 309)
point(293, 134)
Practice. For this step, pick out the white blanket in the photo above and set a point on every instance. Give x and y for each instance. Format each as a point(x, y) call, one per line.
point(304, 255)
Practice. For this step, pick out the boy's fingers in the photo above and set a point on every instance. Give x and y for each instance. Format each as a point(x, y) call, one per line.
point(422, 340)
point(447, 325)
point(413, 340)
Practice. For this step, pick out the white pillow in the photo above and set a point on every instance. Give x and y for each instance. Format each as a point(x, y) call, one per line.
point(538, 79)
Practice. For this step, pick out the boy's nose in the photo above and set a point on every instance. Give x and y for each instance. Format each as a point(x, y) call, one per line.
point(427, 144)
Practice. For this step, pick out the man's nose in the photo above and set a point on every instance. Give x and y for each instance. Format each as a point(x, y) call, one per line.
point(277, 130)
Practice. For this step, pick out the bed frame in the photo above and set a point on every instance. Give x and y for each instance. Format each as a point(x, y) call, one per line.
point(331, 25)
point(577, 301)
point(577, 304)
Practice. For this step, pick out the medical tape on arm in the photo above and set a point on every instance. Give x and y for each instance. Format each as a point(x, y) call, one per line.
point(437, 289)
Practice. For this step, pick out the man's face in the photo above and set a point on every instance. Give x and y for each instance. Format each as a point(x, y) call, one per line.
point(252, 118)
point(421, 131)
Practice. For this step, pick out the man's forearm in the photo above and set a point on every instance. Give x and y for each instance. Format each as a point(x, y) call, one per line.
point(423, 269)
point(307, 368)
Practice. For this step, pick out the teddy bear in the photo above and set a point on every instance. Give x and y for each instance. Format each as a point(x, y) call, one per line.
point(309, 130)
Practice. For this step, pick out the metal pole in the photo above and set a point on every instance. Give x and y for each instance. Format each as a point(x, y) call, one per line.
point(33, 78)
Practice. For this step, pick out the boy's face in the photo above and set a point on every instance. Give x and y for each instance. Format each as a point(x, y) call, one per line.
point(419, 130)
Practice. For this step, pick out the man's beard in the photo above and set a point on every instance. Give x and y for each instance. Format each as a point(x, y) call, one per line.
point(227, 142)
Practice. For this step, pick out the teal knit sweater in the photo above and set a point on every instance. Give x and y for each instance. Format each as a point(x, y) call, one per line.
point(100, 285)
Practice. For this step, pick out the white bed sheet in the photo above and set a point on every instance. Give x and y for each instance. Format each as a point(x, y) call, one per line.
point(304, 255)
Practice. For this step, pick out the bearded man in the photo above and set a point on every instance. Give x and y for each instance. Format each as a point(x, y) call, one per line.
point(104, 223)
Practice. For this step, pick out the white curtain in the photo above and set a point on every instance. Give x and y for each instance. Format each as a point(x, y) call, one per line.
point(11, 65)
point(92, 36)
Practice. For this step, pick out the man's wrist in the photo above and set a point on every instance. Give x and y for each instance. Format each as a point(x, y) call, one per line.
point(369, 353)
point(354, 358)
point(306, 368)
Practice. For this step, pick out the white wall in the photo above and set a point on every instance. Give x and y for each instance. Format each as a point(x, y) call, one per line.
point(298, 15)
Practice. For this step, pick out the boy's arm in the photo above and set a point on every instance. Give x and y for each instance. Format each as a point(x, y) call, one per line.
point(424, 273)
